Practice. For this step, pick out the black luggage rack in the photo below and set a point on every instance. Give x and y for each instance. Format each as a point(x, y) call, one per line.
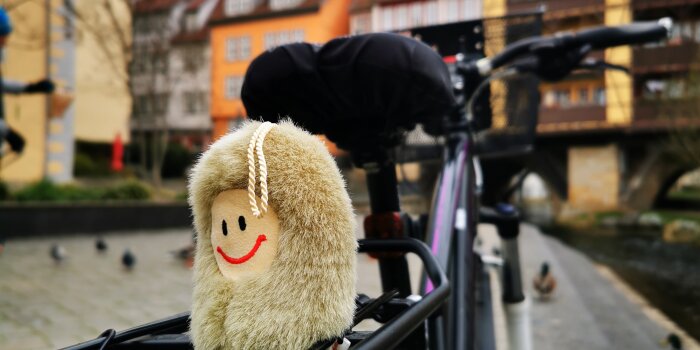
point(401, 317)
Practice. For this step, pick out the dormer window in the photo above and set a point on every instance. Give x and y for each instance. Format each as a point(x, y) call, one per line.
point(191, 22)
point(238, 7)
point(283, 4)
point(274, 39)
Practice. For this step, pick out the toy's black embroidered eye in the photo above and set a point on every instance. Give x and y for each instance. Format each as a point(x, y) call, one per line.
point(224, 228)
point(241, 222)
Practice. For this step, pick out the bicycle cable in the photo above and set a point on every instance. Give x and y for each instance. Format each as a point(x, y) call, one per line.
point(108, 336)
point(484, 83)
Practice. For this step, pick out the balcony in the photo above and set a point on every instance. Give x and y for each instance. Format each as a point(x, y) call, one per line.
point(668, 109)
point(669, 58)
point(580, 113)
point(557, 8)
point(651, 4)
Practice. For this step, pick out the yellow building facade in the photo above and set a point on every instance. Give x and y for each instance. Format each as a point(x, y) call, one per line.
point(25, 60)
point(101, 101)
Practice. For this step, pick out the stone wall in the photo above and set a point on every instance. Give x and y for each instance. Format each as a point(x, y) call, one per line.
point(594, 177)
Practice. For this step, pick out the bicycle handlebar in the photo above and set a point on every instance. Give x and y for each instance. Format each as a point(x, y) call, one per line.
point(597, 38)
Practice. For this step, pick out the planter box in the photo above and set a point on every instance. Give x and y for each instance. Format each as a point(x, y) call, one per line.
point(46, 219)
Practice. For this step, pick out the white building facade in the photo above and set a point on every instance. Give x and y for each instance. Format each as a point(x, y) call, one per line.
point(170, 72)
point(383, 16)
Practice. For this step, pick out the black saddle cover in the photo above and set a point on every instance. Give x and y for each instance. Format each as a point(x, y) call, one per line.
point(359, 90)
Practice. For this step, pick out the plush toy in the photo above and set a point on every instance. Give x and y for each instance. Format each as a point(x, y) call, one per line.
point(275, 258)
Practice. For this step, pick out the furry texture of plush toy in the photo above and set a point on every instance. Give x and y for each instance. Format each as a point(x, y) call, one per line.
point(274, 268)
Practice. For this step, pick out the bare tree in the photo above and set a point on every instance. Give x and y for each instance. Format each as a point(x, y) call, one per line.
point(134, 41)
point(675, 101)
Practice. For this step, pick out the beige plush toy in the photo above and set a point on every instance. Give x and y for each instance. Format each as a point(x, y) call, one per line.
point(275, 259)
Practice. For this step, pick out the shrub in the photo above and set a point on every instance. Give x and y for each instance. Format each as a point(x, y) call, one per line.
point(177, 159)
point(128, 190)
point(182, 196)
point(45, 190)
point(85, 165)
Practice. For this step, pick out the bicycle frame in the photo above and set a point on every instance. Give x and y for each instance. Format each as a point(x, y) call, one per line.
point(450, 236)
point(451, 232)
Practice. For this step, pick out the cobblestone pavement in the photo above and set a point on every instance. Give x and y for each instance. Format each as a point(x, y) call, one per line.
point(47, 305)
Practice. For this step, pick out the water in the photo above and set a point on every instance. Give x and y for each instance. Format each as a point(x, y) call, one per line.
point(667, 275)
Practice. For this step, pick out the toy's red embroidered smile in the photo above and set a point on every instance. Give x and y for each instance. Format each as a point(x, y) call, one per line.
point(244, 258)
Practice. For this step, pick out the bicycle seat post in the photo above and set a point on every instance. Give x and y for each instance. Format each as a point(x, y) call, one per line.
point(385, 222)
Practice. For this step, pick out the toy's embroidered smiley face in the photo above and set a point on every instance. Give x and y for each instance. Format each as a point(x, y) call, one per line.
point(243, 244)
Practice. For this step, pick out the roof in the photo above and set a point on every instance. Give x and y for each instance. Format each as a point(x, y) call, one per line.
point(362, 5)
point(262, 11)
point(185, 37)
point(151, 6)
point(194, 5)
point(359, 5)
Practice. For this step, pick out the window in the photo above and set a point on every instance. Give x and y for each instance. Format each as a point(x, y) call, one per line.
point(237, 7)
point(386, 19)
point(402, 16)
point(452, 11)
point(599, 96)
point(193, 58)
point(237, 48)
point(160, 63)
point(360, 23)
point(191, 22)
point(244, 48)
point(432, 12)
point(142, 106)
point(232, 87)
point(195, 102)
point(283, 37)
point(231, 45)
point(563, 99)
point(675, 88)
point(283, 4)
point(583, 96)
point(298, 35)
point(274, 39)
point(160, 104)
point(416, 14)
point(140, 61)
point(550, 99)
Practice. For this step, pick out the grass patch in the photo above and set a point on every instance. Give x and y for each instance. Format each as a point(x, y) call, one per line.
point(669, 215)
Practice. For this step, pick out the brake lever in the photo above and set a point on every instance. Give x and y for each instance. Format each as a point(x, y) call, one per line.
point(551, 62)
point(593, 64)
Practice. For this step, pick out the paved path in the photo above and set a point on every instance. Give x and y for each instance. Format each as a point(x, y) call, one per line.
point(44, 305)
point(589, 310)
point(48, 305)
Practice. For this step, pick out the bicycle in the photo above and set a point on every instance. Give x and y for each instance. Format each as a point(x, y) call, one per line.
point(450, 313)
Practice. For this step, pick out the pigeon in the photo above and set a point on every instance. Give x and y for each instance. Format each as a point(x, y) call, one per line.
point(544, 282)
point(58, 253)
point(128, 259)
point(186, 254)
point(101, 245)
point(674, 341)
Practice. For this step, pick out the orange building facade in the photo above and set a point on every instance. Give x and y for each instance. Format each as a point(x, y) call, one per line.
point(243, 29)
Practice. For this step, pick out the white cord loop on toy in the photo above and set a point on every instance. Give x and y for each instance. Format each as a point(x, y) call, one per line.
point(255, 147)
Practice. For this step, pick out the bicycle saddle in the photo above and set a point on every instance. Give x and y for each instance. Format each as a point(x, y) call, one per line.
point(360, 91)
